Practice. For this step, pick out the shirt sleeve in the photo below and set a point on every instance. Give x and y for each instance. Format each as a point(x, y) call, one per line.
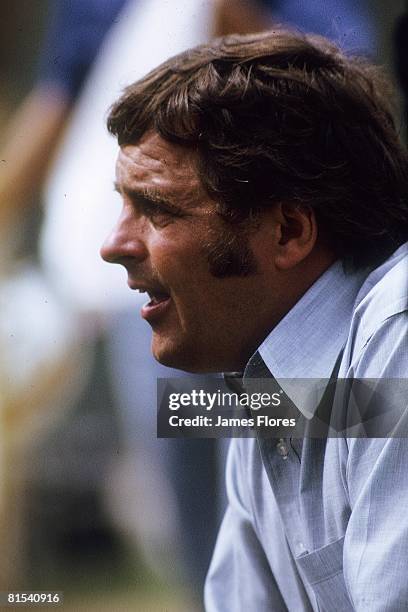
point(240, 578)
point(76, 31)
point(350, 23)
point(376, 543)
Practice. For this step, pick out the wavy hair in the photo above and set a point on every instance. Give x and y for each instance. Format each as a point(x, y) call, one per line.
point(280, 116)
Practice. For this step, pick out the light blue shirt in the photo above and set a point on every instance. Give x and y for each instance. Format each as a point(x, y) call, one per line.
point(325, 526)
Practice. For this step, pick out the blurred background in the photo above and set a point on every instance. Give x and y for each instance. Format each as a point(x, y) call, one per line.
point(91, 502)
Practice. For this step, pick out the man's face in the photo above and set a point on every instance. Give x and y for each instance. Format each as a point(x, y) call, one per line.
point(208, 299)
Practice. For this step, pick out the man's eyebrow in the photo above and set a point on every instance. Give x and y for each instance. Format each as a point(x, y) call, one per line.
point(153, 196)
point(150, 195)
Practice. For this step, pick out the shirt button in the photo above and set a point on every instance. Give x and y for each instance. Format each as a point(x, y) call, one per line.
point(282, 448)
point(300, 547)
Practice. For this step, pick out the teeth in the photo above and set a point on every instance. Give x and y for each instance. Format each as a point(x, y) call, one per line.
point(155, 298)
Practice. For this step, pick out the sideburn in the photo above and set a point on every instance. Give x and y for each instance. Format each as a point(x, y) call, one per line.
point(228, 251)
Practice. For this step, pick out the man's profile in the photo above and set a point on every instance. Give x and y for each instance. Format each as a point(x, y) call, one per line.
point(265, 213)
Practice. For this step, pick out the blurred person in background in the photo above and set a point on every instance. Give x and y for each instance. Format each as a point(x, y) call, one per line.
point(349, 23)
point(401, 59)
point(53, 114)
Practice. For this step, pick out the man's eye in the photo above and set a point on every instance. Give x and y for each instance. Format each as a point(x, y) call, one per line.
point(158, 214)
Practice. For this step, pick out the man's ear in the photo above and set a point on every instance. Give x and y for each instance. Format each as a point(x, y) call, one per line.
point(296, 234)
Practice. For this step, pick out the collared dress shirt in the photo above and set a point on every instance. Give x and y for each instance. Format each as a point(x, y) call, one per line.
point(321, 524)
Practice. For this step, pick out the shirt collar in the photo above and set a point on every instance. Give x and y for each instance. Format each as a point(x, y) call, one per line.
point(307, 341)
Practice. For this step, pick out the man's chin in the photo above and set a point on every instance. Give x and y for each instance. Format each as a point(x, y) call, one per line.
point(177, 362)
point(191, 362)
point(180, 357)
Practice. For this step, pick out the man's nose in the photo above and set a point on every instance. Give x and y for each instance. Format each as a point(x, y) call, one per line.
point(123, 245)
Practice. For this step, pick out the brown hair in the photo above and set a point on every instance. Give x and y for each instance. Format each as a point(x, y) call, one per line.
point(280, 116)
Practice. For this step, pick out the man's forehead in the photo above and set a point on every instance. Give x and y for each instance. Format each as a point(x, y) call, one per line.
point(154, 158)
point(154, 163)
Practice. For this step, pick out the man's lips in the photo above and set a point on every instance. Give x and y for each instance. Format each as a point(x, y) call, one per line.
point(159, 300)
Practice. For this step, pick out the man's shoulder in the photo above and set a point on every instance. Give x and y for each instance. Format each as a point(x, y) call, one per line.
point(381, 308)
point(385, 291)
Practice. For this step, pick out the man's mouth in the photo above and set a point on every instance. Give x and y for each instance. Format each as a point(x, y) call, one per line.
point(157, 298)
point(158, 303)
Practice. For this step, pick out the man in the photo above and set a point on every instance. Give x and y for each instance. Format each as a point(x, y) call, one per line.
point(265, 215)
